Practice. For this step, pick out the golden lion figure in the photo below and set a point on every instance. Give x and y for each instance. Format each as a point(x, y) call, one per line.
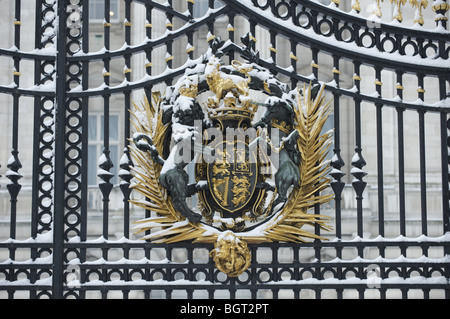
point(221, 83)
point(240, 190)
point(221, 169)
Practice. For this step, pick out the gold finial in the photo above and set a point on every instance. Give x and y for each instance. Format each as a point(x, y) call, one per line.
point(336, 2)
point(398, 10)
point(377, 8)
point(419, 5)
point(441, 7)
point(356, 6)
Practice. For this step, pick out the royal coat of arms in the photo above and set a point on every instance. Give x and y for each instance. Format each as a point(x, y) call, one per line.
point(255, 151)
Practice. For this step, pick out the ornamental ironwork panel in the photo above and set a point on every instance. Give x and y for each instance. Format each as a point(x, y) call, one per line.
point(76, 74)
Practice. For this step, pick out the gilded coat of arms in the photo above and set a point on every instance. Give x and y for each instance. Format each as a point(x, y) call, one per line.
point(247, 150)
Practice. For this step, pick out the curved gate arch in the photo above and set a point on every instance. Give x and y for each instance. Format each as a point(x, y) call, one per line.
point(389, 84)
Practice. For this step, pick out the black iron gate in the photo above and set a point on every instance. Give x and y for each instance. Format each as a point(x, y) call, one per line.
point(66, 185)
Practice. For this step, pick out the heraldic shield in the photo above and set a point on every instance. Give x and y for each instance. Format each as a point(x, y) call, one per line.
point(233, 181)
point(252, 167)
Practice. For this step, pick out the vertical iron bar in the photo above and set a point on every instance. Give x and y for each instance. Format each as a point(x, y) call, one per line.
point(84, 144)
point(401, 171)
point(336, 162)
point(106, 152)
point(315, 63)
point(445, 161)
point(401, 155)
point(169, 27)
point(58, 220)
point(294, 61)
point(190, 39)
point(253, 32)
point(14, 164)
point(231, 31)
point(253, 272)
point(169, 275)
point(36, 123)
point(379, 119)
point(36, 142)
point(445, 136)
point(232, 288)
point(337, 135)
point(148, 67)
point(210, 23)
point(148, 33)
point(358, 183)
point(126, 207)
point(85, 125)
point(105, 163)
point(380, 170)
point(18, 9)
point(423, 180)
point(273, 48)
point(127, 94)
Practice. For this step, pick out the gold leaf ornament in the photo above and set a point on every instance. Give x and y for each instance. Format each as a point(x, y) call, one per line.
point(230, 254)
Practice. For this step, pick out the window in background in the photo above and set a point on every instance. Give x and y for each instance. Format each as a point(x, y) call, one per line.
point(97, 10)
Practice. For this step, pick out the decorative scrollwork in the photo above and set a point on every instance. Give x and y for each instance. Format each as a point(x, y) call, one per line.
point(365, 32)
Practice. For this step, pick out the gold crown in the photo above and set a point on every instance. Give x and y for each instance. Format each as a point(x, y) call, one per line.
point(233, 108)
point(190, 91)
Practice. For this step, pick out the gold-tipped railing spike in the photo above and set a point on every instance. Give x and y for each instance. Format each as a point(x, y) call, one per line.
point(419, 5)
point(377, 8)
point(336, 2)
point(356, 6)
point(398, 9)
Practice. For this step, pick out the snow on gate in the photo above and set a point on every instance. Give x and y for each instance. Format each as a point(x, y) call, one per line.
point(72, 71)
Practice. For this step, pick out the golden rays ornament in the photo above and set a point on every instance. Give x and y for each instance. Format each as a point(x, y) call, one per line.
point(253, 177)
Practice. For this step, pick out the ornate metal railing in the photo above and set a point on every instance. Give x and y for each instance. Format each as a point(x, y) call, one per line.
point(69, 248)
